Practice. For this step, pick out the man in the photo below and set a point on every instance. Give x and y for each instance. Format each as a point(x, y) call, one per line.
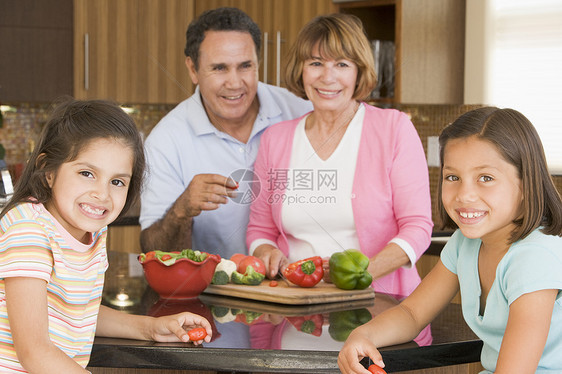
point(204, 149)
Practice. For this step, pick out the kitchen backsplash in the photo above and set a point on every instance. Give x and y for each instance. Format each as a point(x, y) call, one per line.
point(22, 127)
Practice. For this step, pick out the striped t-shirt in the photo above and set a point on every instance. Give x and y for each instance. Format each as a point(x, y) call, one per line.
point(33, 244)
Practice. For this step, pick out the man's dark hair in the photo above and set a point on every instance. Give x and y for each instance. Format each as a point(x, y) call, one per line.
point(220, 19)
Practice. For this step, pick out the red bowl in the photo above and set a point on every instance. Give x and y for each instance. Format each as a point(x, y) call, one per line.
point(182, 280)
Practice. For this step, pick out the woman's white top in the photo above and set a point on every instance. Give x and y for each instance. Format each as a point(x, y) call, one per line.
point(317, 214)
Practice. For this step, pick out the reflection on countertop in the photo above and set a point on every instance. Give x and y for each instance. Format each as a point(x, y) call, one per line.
point(254, 336)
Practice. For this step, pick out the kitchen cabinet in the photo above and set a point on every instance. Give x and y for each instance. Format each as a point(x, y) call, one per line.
point(124, 238)
point(36, 50)
point(131, 51)
point(280, 22)
point(429, 45)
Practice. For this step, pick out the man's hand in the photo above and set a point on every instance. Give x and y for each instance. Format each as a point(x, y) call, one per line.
point(173, 231)
point(205, 192)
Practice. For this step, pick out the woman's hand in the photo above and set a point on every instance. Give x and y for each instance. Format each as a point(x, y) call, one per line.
point(174, 327)
point(326, 267)
point(273, 259)
point(357, 346)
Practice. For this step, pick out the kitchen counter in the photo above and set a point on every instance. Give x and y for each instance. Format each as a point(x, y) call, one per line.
point(253, 336)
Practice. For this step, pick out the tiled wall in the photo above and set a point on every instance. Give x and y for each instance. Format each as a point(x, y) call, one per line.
point(21, 129)
point(429, 120)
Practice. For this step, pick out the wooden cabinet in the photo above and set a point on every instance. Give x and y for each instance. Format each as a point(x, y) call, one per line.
point(429, 44)
point(280, 21)
point(131, 51)
point(124, 238)
point(36, 50)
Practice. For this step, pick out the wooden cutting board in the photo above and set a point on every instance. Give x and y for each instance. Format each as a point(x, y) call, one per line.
point(285, 310)
point(286, 293)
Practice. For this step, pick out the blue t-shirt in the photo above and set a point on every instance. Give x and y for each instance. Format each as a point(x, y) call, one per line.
point(185, 143)
point(531, 264)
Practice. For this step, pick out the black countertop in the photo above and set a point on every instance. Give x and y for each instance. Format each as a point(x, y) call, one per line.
point(253, 336)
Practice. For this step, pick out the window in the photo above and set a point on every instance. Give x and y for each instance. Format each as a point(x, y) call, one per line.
point(522, 64)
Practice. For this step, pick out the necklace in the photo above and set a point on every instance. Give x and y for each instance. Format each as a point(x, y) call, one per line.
point(331, 137)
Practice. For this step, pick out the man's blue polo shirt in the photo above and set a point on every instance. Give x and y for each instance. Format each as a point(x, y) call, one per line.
point(185, 143)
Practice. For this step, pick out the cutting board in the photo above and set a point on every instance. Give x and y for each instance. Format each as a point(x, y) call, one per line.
point(286, 293)
point(283, 309)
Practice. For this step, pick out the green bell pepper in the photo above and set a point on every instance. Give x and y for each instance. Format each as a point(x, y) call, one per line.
point(348, 270)
point(343, 322)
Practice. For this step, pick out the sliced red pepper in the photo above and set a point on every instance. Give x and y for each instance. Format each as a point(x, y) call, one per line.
point(375, 369)
point(305, 273)
point(197, 334)
point(308, 324)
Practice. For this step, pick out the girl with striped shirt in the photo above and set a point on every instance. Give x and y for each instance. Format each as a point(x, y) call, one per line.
point(86, 170)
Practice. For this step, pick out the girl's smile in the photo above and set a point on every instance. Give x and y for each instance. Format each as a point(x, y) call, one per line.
point(481, 191)
point(89, 192)
point(470, 217)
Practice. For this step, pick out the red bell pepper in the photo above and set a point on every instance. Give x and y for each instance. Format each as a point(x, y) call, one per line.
point(375, 369)
point(197, 334)
point(305, 273)
point(308, 324)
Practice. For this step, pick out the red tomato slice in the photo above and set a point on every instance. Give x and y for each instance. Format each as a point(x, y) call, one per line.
point(237, 257)
point(166, 257)
point(253, 261)
point(375, 369)
point(273, 284)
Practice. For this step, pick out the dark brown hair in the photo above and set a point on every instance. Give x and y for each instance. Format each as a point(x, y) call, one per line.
point(337, 35)
point(220, 19)
point(71, 126)
point(519, 143)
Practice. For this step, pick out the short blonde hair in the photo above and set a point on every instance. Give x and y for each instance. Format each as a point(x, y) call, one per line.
point(337, 36)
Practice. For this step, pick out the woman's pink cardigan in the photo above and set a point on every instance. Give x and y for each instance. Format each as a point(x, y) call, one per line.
point(390, 198)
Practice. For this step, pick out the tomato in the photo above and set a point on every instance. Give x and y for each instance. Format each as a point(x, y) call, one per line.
point(375, 369)
point(196, 334)
point(237, 257)
point(253, 261)
point(150, 255)
point(166, 257)
point(273, 284)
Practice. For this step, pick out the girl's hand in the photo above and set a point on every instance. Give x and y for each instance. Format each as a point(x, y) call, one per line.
point(174, 328)
point(357, 346)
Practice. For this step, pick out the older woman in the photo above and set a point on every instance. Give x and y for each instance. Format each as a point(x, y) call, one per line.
point(346, 175)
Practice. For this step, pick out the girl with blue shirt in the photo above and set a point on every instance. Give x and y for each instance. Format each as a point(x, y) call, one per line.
point(505, 258)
